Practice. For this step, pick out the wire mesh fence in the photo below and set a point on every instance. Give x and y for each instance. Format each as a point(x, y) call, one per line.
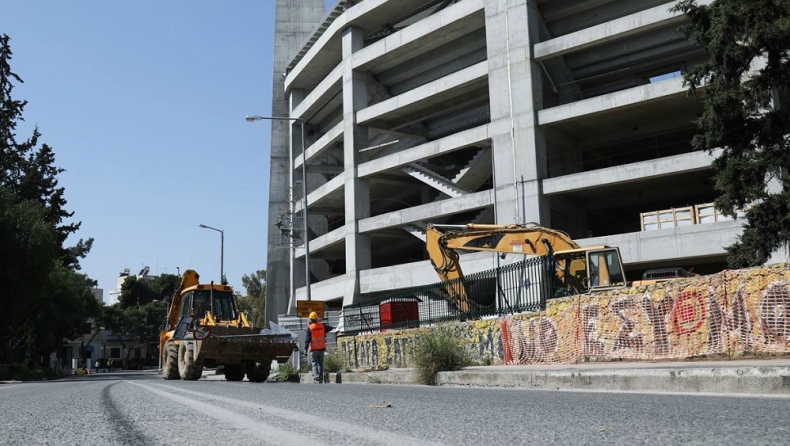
point(514, 288)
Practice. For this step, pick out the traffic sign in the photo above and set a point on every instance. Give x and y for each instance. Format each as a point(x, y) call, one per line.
point(305, 307)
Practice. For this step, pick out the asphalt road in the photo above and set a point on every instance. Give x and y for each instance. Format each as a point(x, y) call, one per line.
point(143, 409)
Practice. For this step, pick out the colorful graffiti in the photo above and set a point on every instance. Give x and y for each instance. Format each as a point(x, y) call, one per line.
point(732, 313)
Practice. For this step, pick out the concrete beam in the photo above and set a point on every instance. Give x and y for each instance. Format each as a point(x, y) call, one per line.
point(675, 243)
point(628, 173)
point(612, 101)
point(616, 29)
point(324, 143)
point(555, 10)
point(425, 95)
point(460, 140)
point(322, 242)
point(321, 192)
point(433, 32)
point(321, 95)
point(627, 50)
point(427, 212)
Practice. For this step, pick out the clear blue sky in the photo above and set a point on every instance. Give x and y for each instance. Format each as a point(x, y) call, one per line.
point(143, 103)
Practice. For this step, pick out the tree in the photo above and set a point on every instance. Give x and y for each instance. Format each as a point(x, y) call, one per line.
point(254, 302)
point(31, 174)
point(136, 293)
point(745, 96)
point(135, 324)
point(44, 298)
point(64, 305)
point(24, 233)
point(165, 285)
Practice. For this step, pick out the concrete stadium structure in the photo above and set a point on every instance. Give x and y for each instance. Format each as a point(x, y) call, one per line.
point(570, 113)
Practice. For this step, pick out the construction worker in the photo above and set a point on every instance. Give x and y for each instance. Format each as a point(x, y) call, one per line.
point(315, 343)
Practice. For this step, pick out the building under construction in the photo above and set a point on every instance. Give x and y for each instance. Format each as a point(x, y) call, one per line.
point(568, 113)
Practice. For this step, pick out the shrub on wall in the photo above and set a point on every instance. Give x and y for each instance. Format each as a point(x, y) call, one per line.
point(284, 372)
point(439, 350)
point(333, 363)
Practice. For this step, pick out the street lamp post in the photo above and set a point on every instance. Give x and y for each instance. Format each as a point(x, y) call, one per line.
point(221, 250)
point(252, 118)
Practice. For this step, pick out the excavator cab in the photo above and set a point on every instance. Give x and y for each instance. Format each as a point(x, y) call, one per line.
point(585, 270)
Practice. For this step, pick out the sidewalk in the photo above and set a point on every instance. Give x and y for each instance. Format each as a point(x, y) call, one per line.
point(752, 376)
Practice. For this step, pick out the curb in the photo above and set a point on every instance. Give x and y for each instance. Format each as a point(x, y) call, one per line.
point(393, 376)
point(743, 380)
point(746, 378)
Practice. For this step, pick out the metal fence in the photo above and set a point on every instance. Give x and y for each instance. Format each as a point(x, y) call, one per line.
point(514, 288)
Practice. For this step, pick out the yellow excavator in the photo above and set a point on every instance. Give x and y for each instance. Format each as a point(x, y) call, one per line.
point(204, 327)
point(577, 270)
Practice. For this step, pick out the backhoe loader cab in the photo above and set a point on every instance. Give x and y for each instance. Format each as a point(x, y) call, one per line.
point(202, 304)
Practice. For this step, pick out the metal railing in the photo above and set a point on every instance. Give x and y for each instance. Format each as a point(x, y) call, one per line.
point(514, 288)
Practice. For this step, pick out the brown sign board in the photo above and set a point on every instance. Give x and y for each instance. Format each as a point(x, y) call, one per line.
point(305, 307)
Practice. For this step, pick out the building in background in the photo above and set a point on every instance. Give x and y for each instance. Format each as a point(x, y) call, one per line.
point(568, 113)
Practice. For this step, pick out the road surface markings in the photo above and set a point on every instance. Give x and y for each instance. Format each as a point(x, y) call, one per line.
point(370, 436)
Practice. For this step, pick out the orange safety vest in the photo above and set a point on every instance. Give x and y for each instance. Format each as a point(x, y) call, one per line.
point(317, 336)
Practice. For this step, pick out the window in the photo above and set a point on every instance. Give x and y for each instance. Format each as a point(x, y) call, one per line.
point(115, 353)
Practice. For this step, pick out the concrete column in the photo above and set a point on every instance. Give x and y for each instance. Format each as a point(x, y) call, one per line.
point(293, 22)
point(515, 86)
point(357, 190)
point(298, 266)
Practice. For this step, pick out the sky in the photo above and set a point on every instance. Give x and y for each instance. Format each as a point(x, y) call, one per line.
point(143, 103)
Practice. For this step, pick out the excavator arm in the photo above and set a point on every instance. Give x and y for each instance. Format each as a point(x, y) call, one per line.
point(443, 248)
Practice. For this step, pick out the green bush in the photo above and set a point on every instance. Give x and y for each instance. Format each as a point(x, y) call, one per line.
point(439, 350)
point(22, 373)
point(284, 372)
point(333, 363)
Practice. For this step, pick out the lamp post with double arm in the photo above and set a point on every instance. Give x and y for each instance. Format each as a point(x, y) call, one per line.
point(253, 118)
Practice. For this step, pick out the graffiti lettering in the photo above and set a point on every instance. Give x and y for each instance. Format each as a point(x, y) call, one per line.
point(626, 336)
point(716, 322)
point(738, 319)
point(747, 311)
point(540, 343)
point(775, 313)
point(593, 346)
point(547, 335)
point(657, 316)
point(688, 314)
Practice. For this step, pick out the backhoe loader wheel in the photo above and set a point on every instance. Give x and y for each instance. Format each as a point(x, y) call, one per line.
point(170, 361)
point(234, 373)
point(188, 367)
point(258, 372)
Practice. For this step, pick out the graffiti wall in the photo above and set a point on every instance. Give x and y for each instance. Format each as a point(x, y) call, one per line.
point(733, 313)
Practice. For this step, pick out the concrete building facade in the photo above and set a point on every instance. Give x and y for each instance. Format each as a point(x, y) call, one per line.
point(568, 113)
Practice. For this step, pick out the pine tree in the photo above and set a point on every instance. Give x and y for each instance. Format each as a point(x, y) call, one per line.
point(744, 86)
point(44, 299)
point(30, 172)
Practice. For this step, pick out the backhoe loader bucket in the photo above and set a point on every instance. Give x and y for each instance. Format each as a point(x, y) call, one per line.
point(232, 345)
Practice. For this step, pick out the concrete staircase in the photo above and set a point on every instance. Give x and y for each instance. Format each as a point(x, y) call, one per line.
point(434, 180)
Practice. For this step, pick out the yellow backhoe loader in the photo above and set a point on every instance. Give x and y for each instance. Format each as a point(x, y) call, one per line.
point(204, 327)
